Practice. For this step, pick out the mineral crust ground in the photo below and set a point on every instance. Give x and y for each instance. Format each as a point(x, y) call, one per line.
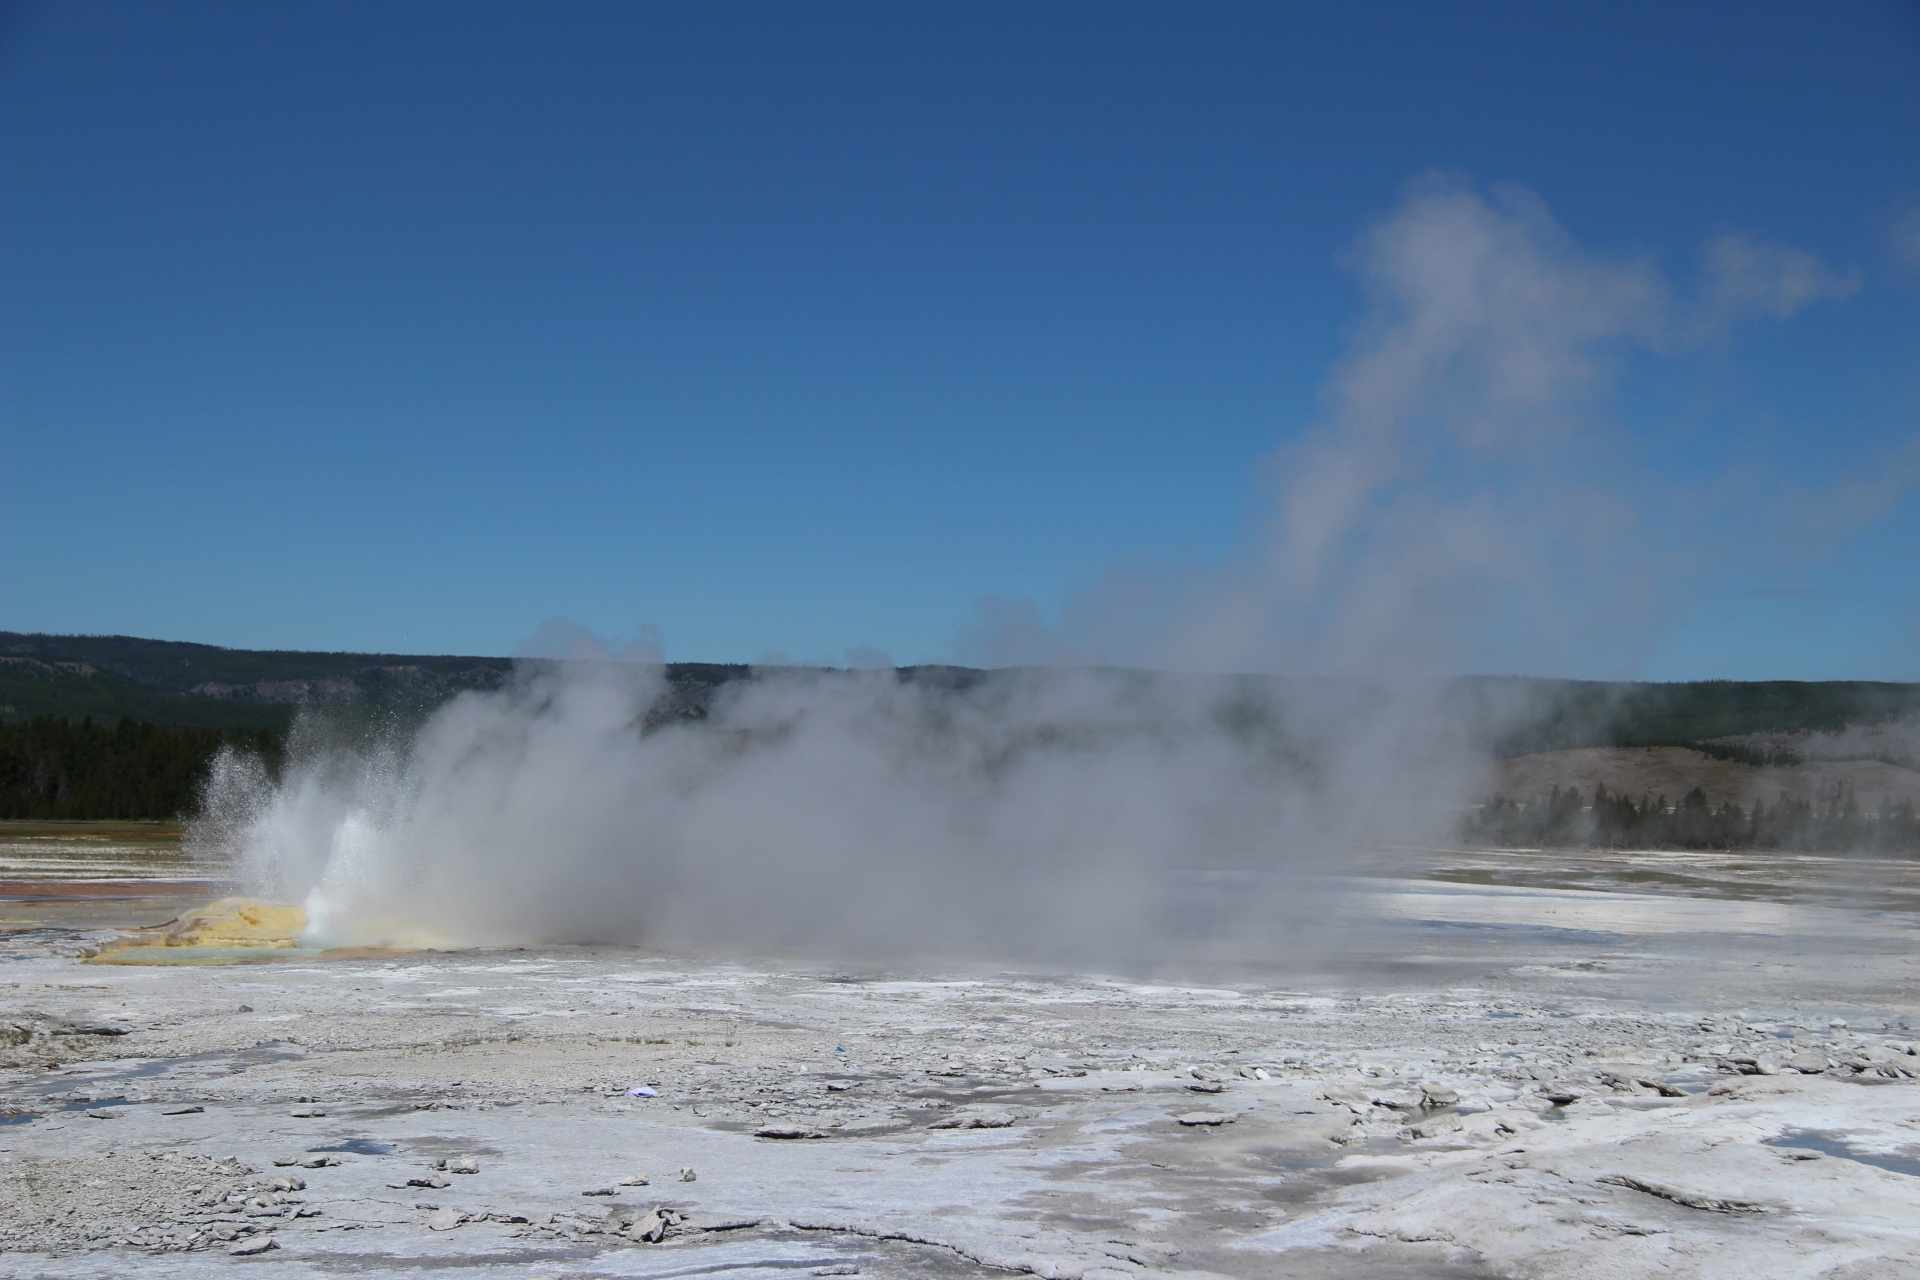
point(1544, 1065)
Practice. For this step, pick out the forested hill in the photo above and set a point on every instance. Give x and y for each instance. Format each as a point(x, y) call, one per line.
point(1518, 716)
point(176, 683)
point(120, 727)
point(52, 768)
point(170, 682)
point(117, 727)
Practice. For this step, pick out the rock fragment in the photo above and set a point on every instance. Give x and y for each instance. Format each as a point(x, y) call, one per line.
point(463, 1164)
point(445, 1219)
point(790, 1131)
point(651, 1228)
point(1397, 1101)
point(1352, 1099)
point(1203, 1119)
point(981, 1118)
point(70, 1028)
point(1681, 1196)
point(257, 1245)
point(1433, 1127)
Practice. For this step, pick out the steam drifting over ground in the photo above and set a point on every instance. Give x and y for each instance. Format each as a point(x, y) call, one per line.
point(1066, 816)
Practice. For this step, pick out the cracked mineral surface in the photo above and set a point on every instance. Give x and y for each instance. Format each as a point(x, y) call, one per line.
point(1541, 1065)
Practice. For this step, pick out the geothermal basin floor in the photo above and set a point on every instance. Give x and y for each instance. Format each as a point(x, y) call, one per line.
point(1539, 1065)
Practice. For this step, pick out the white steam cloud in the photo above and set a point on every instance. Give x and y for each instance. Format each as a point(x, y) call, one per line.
point(1038, 816)
point(1749, 276)
point(1439, 516)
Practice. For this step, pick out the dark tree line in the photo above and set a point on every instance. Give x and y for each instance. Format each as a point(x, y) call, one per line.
point(52, 768)
point(1729, 751)
point(1562, 819)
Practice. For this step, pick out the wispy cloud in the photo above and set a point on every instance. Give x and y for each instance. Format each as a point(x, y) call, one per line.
point(1905, 236)
point(1746, 276)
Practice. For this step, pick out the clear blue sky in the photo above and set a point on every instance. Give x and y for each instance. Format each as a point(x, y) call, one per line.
point(803, 327)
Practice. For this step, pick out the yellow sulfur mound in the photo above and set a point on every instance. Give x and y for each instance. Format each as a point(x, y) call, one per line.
point(237, 922)
point(230, 931)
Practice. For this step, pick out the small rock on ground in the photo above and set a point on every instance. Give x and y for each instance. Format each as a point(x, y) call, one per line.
point(785, 1131)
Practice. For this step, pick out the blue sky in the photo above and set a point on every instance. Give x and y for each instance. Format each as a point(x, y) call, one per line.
point(803, 329)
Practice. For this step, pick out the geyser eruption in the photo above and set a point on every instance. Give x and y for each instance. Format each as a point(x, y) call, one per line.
point(1034, 815)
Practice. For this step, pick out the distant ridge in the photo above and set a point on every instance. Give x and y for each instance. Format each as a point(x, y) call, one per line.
point(175, 682)
point(1565, 714)
point(119, 727)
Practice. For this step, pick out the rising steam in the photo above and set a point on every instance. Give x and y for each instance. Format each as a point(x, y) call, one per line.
point(1445, 514)
point(1037, 815)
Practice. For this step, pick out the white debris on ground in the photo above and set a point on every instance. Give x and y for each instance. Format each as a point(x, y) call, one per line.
point(1503, 1098)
